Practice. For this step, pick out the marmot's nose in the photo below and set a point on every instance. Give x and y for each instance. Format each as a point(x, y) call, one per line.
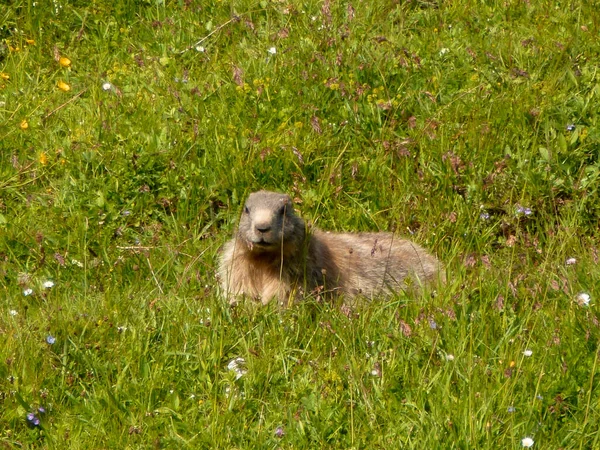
point(263, 227)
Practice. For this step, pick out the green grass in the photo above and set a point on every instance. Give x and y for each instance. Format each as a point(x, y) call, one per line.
point(437, 120)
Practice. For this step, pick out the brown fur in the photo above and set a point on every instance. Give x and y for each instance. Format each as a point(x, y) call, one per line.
point(273, 256)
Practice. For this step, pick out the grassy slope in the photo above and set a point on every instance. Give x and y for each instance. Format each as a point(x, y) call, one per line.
point(410, 116)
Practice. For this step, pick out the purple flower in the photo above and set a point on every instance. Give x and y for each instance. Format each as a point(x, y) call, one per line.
point(42, 410)
point(432, 324)
point(279, 432)
point(32, 420)
point(524, 210)
point(484, 215)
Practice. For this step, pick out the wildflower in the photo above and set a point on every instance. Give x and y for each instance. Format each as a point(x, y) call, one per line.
point(63, 86)
point(4, 76)
point(449, 357)
point(432, 324)
point(444, 51)
point(539, 397)
point(376, 371)
point(524, 210)
point(511, 409)
point(106, 86)
point(279, 432)
point(33, 420)
point(527, 442)
point(24, 125)
point(582, 299)
point(42, 410)
point(571, 127)
point(13, 312)
point(43, 158)
point(571, 261)
point(64, 61)
point(76, 263)
point(272, 51)
point(528, 353)
point(27, 292)
point(30, 41)
point(484, 215)
point(200, 49)
point(50, 339)
point(237, 365)
point(48, 284)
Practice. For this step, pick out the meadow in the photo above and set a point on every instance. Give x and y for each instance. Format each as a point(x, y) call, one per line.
point(131, 133)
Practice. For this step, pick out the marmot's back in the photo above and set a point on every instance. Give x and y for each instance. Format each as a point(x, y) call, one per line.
point(375, 263)
point(272, 256)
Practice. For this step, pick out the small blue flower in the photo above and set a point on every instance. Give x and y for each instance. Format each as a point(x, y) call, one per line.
point(511, 409)
point(432, 324)
point(42, 410)
point(524, 210)
point(50, 339)
point(484, 215)
point(32, 420)
point(571, 127)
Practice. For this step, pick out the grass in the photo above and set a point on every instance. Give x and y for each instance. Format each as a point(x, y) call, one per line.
point(470, 126)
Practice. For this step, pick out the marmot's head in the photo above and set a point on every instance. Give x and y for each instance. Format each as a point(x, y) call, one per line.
point(269, 224)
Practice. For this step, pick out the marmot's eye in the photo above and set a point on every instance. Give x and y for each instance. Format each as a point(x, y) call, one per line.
point(246, 210)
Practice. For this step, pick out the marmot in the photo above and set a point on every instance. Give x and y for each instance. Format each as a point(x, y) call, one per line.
point(274, 256)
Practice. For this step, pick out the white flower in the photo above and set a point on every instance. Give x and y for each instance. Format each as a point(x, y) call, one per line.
point(13, 312)
point(444, 51)
point(449, 357)
point(237, 365)
point(200, 49)
point(48, 284)
point(582, 299)
point(106, 86)
point(528, 353)
point(571, 261)
point(272, 51)
point(527, 442)
point(27, 292)
point(76, 263)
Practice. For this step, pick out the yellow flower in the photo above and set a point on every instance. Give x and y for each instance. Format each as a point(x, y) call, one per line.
point(24, 125)
point(43, 159)
point(30, 41)
point(4, 75)
point(64, 61)
point(63, 86)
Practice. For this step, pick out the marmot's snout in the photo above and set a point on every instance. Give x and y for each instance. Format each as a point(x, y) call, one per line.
point(262, 222)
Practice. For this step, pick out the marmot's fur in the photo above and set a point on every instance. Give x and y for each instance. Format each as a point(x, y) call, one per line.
point(274, 256)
